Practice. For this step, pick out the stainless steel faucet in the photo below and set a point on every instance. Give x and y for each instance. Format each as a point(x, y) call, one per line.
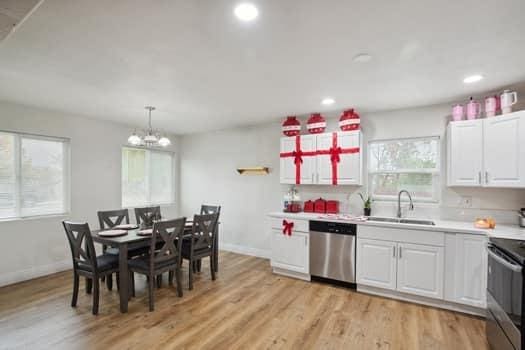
point(411, 206)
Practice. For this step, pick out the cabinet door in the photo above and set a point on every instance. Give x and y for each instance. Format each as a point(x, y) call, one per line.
point(349, 166)
point(465, 153)
point(288, 169)
point(471, 270)
point(504, 150)
point(376, 263)
point(290, 252)
point(420, 270)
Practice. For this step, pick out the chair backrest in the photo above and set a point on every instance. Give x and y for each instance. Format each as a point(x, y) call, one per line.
point(203, 231)
point(112, 218)
point(166, 241)
point(210, 209)
point(81, 244)
point(146, 215)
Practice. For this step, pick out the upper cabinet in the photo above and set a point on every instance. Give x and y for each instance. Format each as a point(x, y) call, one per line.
point(297, 159)
point(325, 159)
point(504, 150)
point(487, 152)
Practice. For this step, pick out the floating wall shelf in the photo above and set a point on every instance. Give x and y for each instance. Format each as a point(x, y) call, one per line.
point(258, 170)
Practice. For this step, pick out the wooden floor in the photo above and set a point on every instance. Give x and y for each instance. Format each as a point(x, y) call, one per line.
point(247, 307)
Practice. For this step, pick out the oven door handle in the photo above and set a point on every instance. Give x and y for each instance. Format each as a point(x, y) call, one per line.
point(499, 259)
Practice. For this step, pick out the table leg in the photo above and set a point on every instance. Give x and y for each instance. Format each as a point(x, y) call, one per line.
point(123, 277)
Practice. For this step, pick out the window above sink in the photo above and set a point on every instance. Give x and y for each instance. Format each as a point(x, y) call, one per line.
point(411, 164)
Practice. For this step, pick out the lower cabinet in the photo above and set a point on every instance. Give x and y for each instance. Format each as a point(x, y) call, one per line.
point(291, 252)
point(376, 263)
point(404, 267)
point(420, 270)
point(466, 269)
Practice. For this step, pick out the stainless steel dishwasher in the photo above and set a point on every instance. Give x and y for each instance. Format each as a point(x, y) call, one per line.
point(332, 251)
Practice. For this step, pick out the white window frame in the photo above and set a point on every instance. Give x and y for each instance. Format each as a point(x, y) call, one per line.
point(148, 177)
point(436, 172)
point(66, 148)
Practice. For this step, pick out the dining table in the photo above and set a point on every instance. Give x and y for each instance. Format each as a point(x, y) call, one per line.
point(133, 240)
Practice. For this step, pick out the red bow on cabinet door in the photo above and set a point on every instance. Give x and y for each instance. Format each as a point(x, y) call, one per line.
point(287, 228)
point(334, 152)
point(297, 155)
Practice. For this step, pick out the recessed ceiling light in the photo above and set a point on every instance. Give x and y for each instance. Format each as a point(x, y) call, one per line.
point(473, 79)
point(362, 58)
point(327, 101)
point(246, 12)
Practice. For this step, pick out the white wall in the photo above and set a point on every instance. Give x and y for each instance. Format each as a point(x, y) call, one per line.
point(33, 247)
point(208, 174)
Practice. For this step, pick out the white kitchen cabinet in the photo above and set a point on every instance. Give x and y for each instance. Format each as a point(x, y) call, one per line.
point(466, 269)
point(465, 144)
point(348, 169)
point(288, 169)
point(376, 263)
point(420, 270)
point(290, 253)
point(487, 152)
point(504, 150)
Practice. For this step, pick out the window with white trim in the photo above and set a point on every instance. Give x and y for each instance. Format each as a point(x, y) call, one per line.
point(34, 175)
point(147, 177)
point(404, 164)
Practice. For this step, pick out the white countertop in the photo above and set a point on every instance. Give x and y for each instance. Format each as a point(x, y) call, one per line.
point(501, 231)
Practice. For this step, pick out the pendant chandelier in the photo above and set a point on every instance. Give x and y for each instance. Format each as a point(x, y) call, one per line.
point(149, 137)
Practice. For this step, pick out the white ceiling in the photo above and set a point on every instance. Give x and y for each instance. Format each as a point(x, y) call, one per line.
point(205, 70)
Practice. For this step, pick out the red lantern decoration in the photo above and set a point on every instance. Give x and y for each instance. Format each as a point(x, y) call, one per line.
point(316, 124)
point(349, 120)
point(291, 126)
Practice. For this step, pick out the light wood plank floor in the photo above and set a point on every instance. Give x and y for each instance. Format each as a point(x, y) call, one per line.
point(247, 307)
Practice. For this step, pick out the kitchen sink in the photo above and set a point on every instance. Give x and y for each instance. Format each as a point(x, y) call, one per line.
point(402, 221)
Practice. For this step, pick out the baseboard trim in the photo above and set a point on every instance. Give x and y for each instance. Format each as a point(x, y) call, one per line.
point(234, 248)
point(34, 272)
point(442, 304)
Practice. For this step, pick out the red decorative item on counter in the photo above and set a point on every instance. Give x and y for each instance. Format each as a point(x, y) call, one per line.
point(316, 124)
point(349, 120)
point(287, 227)
point(320, 206)
point(298, 155)
point(293, 207)
point(308, 207)
point(332, 207)
point(335, 151)
point(291, 126)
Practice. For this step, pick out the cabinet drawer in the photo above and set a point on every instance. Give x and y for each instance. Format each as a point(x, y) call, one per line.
point(298, 225)
point(401, 235)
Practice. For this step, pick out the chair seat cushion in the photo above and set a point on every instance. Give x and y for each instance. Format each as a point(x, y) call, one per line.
point(142, 263)
point(186, 249)
point(104, 262)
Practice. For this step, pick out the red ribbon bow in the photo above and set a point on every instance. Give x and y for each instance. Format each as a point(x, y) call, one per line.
point(334, 154)
point(287, 227)
point(298, 157)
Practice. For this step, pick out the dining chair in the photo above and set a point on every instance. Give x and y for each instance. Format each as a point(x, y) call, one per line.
point(145, 215)
point(201, 243)
point(210, 209)
point(168, 235)
point(86, 263)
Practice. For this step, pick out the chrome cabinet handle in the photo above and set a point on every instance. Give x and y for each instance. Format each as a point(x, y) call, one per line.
point(479, 177)
point(400, 252)
point(394, 251)
point(486, 177)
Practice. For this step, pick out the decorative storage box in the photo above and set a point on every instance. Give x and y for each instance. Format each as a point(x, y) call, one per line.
point(309, 207)
point(332, 207)
point(320, 206)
